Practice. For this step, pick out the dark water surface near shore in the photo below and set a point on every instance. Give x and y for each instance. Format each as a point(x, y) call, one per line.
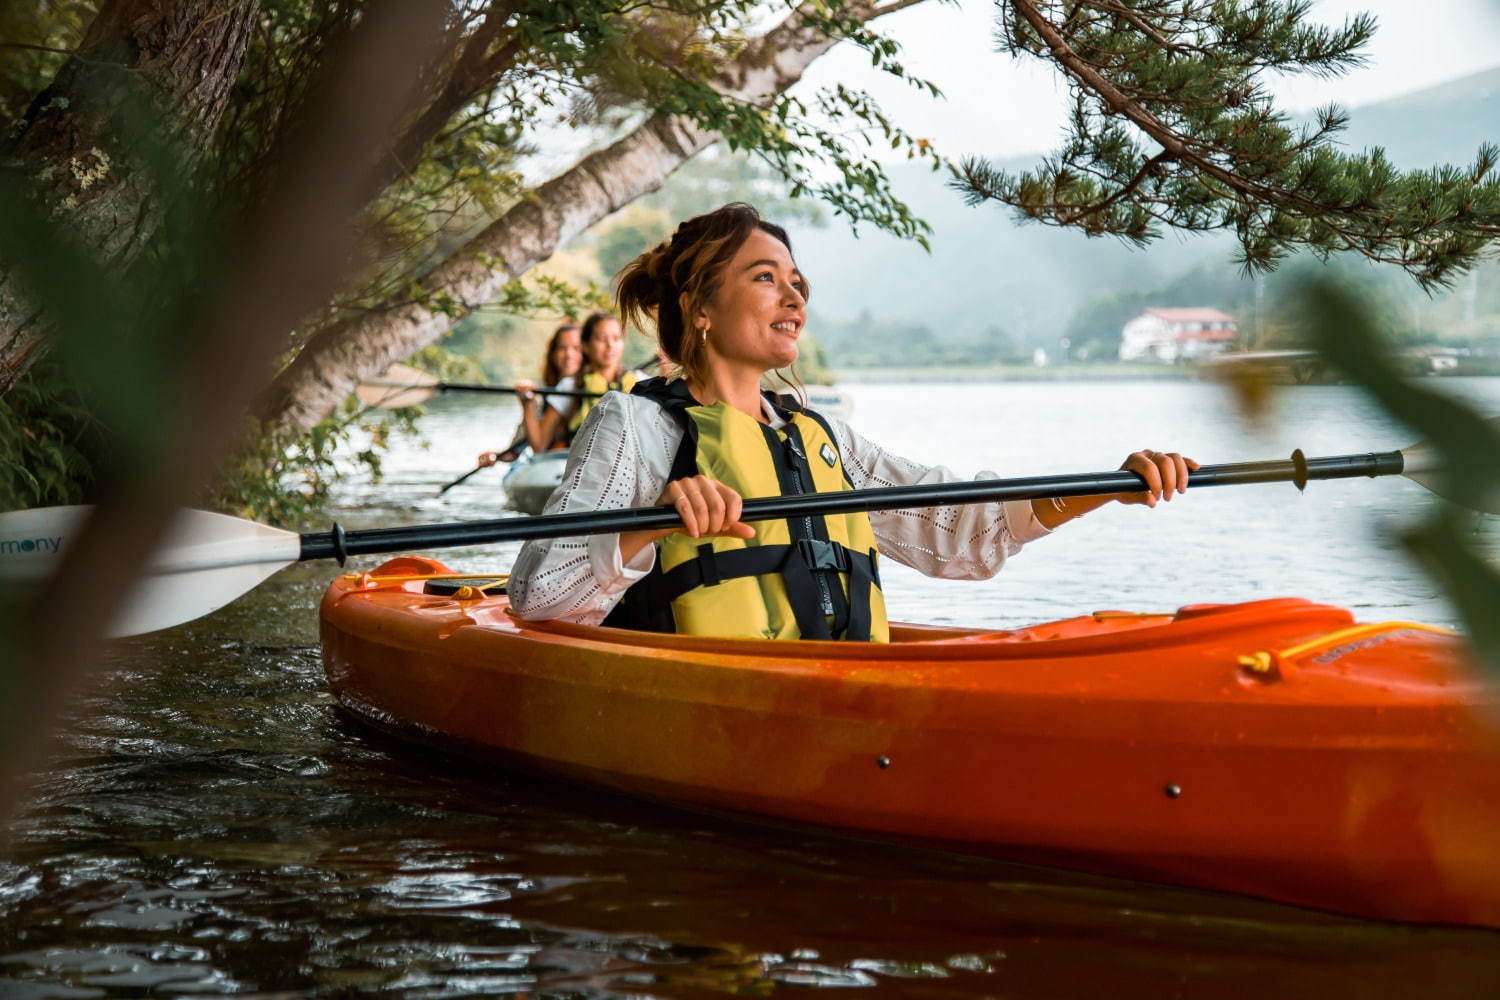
point(211, 825)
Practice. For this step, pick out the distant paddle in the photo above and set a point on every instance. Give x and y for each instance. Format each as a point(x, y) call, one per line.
point(210, 559)
point(516, 447)
point(403, 385)
point(461, 479)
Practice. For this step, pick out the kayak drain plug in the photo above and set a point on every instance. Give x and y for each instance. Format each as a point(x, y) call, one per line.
point(882, 762)
point(1173, 791)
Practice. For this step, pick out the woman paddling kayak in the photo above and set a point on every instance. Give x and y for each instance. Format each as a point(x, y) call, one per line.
point(729, 305)
point(564, 359)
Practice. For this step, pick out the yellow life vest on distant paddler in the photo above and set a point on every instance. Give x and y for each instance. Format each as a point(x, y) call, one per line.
point(814, 577)
point(595, 382)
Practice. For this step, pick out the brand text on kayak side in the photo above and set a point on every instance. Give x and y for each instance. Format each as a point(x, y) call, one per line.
point(25, 546)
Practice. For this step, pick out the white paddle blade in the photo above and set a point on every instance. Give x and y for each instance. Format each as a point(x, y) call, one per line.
point(205, 561)
point(1422, 465)
point(162, 600)
point(401, 385)
point(31, 540)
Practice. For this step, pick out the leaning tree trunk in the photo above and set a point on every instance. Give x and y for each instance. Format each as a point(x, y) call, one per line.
point(183, 57)
point(336, 357)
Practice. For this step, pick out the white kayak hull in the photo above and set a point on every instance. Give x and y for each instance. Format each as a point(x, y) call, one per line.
point(529, 483)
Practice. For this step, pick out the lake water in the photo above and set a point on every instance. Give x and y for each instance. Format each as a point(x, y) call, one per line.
point(210, 825)
point(1337, 542)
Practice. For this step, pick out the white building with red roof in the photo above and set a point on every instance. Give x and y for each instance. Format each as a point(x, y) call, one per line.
point(1170, 335)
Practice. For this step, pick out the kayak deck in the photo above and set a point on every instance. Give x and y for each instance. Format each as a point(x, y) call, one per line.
point(1273, 748)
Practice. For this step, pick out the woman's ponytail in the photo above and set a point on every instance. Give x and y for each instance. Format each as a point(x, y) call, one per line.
point(638, 290)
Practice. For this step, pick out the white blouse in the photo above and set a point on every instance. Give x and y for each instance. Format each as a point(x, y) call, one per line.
point(621, 458)
point(562, 404)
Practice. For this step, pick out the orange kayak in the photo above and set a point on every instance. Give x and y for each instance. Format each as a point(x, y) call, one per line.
point(1274, 748)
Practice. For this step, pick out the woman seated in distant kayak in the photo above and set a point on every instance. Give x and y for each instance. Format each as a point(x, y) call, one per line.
point(564, 358)
point(603, 343)
point(729, 304)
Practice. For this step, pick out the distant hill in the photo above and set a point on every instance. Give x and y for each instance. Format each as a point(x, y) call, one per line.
point(1442, 124)
point(987, 270)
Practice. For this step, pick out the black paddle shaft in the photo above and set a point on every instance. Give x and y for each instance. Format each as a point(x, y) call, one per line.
point(339, 544)
point(541, 390)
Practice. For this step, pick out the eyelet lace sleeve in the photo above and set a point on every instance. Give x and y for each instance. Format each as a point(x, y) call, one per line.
point(960, 542)
point(620, 458)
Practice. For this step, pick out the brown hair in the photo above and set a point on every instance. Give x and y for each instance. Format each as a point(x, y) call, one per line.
point(550, 374)
point(688, 265)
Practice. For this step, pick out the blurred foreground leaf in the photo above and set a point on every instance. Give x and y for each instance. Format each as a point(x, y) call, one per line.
point(1442, 544)
point(1465, 442)
point(174, 346)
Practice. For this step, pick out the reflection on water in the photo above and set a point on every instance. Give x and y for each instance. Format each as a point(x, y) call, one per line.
point(210, 825)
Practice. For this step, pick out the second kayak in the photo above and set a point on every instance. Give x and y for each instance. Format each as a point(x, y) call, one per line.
point(529, 483)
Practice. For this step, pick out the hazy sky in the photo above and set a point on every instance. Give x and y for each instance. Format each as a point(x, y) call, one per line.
point(1000, 107)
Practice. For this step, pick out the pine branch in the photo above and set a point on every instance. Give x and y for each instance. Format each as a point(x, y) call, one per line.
point(1183, 77)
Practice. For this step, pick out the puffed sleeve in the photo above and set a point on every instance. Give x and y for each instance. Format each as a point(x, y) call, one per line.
point(582, 578)
point(960, 542)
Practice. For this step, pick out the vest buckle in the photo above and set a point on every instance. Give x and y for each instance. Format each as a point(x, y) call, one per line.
point(821, 555)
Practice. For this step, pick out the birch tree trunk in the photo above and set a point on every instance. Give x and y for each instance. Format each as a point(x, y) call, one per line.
point(184, 57)
point(336, 357)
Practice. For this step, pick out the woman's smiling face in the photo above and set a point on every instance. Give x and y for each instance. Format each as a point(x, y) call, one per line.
point(759, 309)
point(604, 348)
point(567, 353)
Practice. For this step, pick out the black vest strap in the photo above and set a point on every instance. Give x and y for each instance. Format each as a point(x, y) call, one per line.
point(862, 576)
point(828, 429)
point(645, 606)
point(642, 608)
point(673, 396)
point(823, 595)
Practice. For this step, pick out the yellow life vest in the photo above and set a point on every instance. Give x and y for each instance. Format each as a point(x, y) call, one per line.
point(813, 577)
point(595, 382)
